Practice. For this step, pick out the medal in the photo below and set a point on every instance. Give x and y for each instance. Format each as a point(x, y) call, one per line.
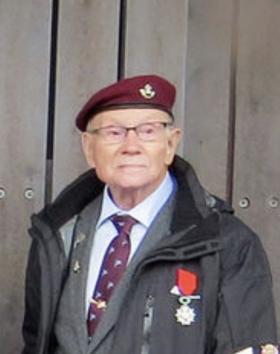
point(186, 285)
point(185, 314)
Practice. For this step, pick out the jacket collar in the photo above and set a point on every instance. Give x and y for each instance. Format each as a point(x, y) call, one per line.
point(192, 203)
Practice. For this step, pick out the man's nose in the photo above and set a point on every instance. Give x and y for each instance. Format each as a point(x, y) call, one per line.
point(131, 134)
point(131, 140)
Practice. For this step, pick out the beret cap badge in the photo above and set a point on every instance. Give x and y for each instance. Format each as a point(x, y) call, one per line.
point(147, 92)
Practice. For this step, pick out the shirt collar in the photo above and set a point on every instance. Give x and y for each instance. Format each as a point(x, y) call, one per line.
point(143, 212)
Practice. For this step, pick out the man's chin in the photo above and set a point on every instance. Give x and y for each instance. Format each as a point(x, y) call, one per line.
point(131, 182)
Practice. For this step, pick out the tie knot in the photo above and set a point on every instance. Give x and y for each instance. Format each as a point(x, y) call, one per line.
point(123, 223)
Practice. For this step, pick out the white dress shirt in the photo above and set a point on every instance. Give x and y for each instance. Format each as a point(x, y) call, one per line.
point(144, 213)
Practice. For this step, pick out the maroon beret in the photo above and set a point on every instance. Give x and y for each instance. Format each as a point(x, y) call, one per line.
point(145, 91)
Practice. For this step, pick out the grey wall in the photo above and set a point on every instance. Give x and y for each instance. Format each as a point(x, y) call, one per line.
point(224, 57)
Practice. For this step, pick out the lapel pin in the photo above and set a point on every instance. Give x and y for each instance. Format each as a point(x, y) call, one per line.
point(77, 267)
point(80, 238)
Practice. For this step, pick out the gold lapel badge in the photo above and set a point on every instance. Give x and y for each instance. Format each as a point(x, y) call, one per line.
point(80, 238)
point(77, 267)
point(147, 92)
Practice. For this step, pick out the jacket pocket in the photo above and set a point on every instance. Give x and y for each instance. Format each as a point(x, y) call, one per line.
point(147, 324)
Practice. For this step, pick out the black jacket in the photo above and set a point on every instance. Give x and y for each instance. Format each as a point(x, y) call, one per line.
point(235, 309)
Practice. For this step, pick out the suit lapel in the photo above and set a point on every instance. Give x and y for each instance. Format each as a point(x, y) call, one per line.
point(84, 233)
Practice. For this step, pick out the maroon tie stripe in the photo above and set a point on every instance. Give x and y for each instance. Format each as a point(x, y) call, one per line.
point(113, 266)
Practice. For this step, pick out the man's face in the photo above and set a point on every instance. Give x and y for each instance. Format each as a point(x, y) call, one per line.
point(131, 165)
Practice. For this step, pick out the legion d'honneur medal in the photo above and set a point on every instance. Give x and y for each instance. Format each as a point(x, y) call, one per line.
point(186, 285)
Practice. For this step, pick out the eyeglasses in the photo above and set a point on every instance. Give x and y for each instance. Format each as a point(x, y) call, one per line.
point(150, 131)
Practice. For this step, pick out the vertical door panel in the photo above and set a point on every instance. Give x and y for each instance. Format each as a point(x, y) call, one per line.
point(208, 90)
point(257, 144)
point(24, 65)
point(190, 43)
point(156, 43)
point(87, 60)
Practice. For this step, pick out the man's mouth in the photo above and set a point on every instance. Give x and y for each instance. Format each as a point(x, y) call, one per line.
point(132, 166)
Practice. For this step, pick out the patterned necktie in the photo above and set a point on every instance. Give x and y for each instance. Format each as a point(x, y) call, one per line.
point(113, 265)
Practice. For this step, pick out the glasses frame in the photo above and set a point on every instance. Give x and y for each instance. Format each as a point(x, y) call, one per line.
point(125, 130)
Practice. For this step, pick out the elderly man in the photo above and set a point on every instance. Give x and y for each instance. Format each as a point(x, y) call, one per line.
point(135, 257)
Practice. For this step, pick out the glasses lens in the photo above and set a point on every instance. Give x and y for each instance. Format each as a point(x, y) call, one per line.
point(146, 132)
point(149, 131)
point(113, 133)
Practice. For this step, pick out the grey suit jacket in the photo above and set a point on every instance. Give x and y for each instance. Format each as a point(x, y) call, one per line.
point(71, 323)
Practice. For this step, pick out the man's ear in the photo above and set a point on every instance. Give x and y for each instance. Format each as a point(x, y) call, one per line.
point(88, 149)
point(173, 142)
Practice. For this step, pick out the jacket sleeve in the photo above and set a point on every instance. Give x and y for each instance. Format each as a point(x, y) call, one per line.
point(246, 315)
point(30, 328)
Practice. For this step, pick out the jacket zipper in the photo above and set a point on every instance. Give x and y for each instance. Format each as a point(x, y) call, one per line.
point(147, 324)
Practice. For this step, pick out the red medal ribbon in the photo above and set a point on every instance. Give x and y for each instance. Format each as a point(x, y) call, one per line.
point(187, 281)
